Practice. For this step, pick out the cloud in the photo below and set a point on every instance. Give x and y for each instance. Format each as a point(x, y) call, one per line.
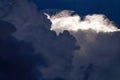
point(33, 27)
point(98, 39)
point(64, 20)
point(17, 58)
point(111, 9)
point(98, 57)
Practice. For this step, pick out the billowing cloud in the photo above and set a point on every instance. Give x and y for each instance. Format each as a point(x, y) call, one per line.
point(99, 44)
point(17, 57)
point(98, 39)
point(33, 27)
point(64, 20)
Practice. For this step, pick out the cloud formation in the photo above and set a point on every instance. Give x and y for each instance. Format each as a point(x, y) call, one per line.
point(17, 58)
point(64, 20)
point(98, 54)
point(98, 39)
point(33, 27)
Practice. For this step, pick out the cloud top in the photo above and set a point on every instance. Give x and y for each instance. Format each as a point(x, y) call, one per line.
point(64, 20)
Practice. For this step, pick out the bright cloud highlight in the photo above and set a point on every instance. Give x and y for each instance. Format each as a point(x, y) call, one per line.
point(96, 22)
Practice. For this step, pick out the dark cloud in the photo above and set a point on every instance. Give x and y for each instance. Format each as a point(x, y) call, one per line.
point(35, 41)
point(34, 52)
point(58, 78)
point(5, 30)
point(17, 58)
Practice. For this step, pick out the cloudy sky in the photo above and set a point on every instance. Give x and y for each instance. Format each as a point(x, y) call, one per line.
point(59, 40)
point(108, 7)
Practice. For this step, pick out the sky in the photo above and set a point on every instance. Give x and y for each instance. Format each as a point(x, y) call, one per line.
point(39, 42)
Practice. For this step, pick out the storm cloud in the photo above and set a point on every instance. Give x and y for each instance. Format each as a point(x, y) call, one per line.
point(98, 39)
point(82, 54)
point(33, 27)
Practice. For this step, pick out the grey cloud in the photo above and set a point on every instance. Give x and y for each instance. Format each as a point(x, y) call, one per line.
point(98, 54)
point(99, 49)
point(34, 27)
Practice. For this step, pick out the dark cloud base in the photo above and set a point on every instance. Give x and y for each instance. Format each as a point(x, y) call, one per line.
point(20, 62)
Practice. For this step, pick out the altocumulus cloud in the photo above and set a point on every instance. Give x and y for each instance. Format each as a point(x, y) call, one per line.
point(59, 55)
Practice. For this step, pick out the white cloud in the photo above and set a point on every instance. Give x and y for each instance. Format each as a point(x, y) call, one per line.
point(96, 22)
